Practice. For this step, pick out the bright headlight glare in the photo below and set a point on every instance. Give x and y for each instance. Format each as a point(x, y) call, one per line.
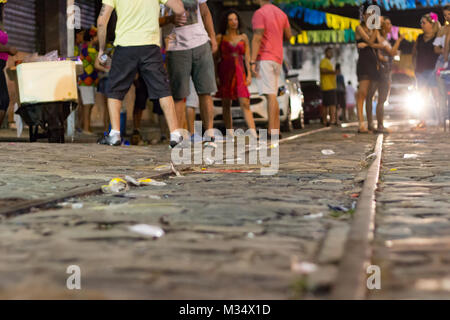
point(415, 102)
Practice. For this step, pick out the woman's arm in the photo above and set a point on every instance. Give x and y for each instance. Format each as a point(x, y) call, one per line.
point(394, 50)
point(446, 46)
point(371, 41)
point(247, 60)
point(12, 51)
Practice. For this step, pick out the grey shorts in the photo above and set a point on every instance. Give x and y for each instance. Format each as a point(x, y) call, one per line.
point(199, 64)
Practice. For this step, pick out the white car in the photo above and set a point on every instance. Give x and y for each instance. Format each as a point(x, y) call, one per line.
point(404, 99)
point(290, 99)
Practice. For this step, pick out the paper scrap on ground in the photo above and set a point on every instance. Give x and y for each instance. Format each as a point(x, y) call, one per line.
point(147, 230)
point(328, 152)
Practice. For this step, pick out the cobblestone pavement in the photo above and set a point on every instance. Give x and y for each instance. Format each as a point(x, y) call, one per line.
point(227, 235)
point(412, 242)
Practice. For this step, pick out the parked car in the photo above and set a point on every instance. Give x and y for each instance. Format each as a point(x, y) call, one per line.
point(313, 100)
point(404, 98)
point(290, 99)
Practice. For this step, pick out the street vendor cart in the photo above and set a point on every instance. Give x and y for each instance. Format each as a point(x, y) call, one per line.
point(47, 95)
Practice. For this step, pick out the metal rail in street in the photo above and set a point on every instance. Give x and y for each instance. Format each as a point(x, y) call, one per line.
point(351, 278)
point(26, 206)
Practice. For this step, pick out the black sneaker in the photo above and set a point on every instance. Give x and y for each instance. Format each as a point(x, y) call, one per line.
point(210, 142)
point(174, 143)
point(110, 141)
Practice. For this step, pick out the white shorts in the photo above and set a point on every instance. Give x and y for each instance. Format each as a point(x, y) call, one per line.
point(192, 100)
point(87, 95)
point(269, 75)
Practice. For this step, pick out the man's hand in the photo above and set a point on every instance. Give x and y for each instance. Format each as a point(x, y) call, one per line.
point(255, 70)
point(180, 19)
point(100, 53)
point(12, 51)
point(214, 45)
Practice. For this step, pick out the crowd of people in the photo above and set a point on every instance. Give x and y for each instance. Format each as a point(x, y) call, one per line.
point(198, 63)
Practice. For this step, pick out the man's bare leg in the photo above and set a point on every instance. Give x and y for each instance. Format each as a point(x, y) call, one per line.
point(191, 119)
point(207, 111)
point(180, 110)
point(274, 113)
point(87, 109)
point(137, 118)
point(333, 114)
point(2, 116)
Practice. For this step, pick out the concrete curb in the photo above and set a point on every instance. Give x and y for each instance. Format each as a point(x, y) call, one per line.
point(351, 279)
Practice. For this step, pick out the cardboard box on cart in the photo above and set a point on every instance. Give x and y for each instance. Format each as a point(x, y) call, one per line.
point(47, 94)
point(50, 81)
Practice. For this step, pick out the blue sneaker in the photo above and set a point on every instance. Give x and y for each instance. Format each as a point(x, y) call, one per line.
point(196, 138)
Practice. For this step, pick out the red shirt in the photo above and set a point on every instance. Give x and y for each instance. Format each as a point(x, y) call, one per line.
point(273, 20)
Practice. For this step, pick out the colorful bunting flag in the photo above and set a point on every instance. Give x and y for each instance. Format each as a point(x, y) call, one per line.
point(386, 4)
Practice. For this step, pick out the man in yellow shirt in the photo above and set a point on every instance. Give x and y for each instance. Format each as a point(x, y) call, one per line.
point(137, 50)
point(328, 87)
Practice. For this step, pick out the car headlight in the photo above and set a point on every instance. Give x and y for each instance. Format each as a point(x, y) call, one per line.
point(415, 102)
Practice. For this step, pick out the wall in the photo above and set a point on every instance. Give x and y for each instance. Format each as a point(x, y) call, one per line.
point(345, 54)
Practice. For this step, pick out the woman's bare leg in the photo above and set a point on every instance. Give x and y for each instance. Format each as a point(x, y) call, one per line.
point(362, 95)
point(248, 114)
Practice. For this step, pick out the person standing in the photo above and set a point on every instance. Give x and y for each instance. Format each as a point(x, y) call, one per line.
point(340, 93)
point(328, 87)
point(425, 59)
point(88, 81)
point(103, 74)
point(441, 48)
point(350, 97)
point(383, 85)
point(5, 52)
point(270, 27)
point(137, 50)
point(233, 81)
point(190, 54)
point(368, 67)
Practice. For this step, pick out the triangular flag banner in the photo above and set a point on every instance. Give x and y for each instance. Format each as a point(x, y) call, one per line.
point(385, 4)
point(338, 23)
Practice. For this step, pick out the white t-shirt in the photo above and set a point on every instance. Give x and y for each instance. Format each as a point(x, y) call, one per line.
point(439, 41)
point(350, 95)
point(193, 34)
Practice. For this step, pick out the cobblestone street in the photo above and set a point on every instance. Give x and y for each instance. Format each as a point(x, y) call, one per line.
point(230, 232)
point(228, 235)
point(413, 208)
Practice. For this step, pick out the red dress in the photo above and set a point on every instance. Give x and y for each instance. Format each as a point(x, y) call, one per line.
point(232, 71)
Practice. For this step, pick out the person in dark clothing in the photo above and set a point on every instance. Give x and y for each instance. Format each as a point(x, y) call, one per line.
point(367, 67)
point(383, 86)
point(425, 59)
point(5, 52)
point(341, 101)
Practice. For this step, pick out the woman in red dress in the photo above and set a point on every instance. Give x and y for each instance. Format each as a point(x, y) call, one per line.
point(233, 60)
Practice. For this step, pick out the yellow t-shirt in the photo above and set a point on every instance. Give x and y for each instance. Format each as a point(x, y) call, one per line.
point(137, 22)
point(327, 81)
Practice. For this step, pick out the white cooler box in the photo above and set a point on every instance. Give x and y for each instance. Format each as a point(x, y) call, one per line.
point(41, 82)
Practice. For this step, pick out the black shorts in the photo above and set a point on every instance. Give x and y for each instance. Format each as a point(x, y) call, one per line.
point(128, 61)
point(341, 101)
point(140, 101)
point(329, 98)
